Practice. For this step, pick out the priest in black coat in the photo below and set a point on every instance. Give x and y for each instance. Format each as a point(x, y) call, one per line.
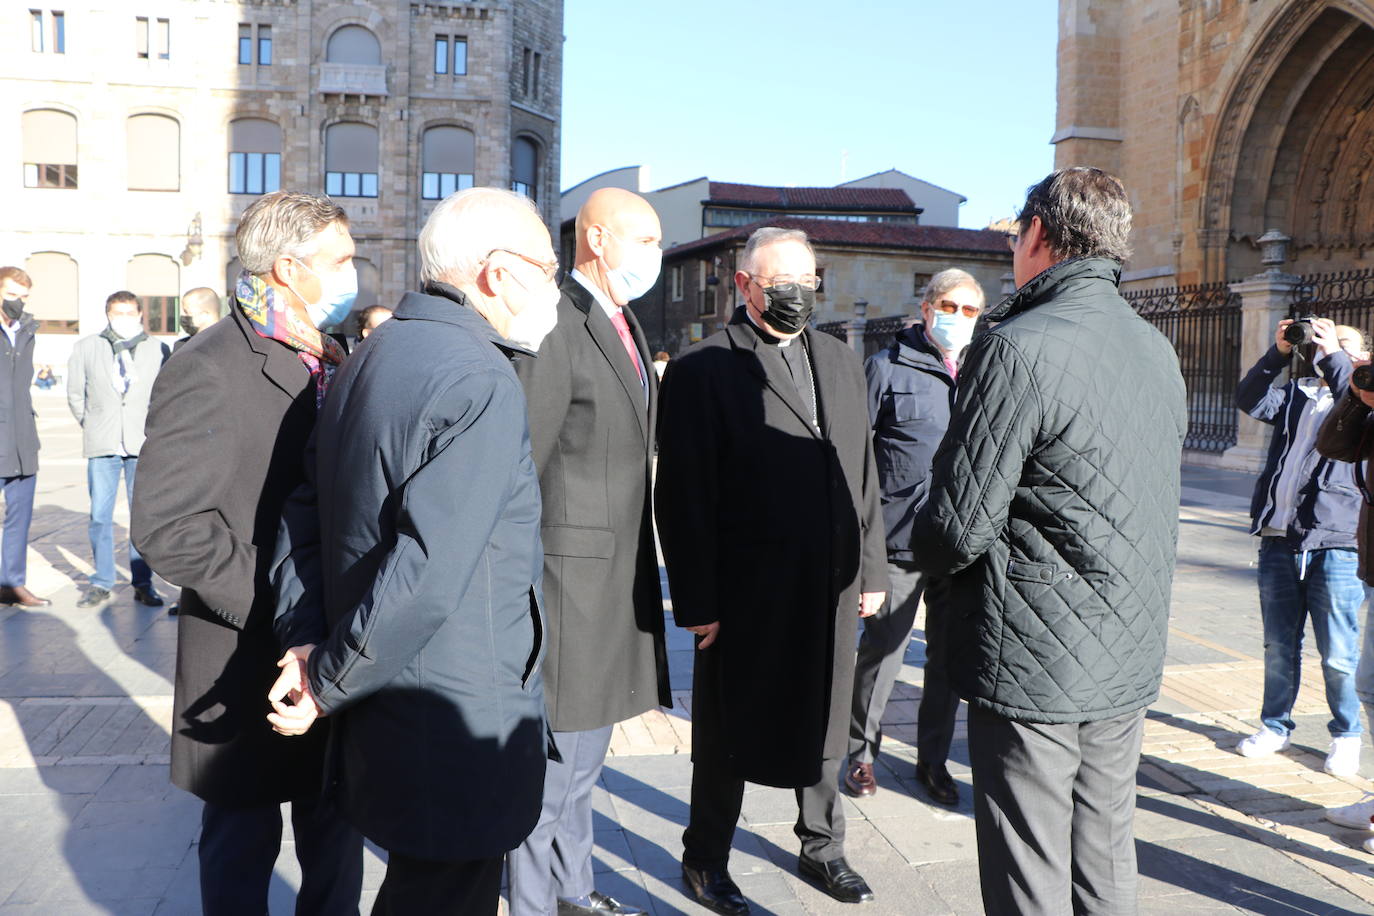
point(592, 397)
point(768, 513)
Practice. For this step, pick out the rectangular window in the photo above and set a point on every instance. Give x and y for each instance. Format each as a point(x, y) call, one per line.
point(245, 43)
point(921, 280)
point(40, 175)
point(141, 37)
point(441, 54)
point(59, 33)
point(36, 29)
point(160, 314)
point(677, 283)
point(534, 79)
point(525, 73)
point(438, 185)
point(254, 173)
point(164, 39)
point(520, 187)
point(350, 184)
point(460, 57)
point(264, 46)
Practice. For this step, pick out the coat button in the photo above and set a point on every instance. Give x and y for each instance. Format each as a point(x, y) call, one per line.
point(1046, 574)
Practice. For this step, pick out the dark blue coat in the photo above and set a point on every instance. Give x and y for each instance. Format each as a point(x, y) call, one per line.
point(1328, 509)
point(429, 566)
point(910, 392)
point(18, 423)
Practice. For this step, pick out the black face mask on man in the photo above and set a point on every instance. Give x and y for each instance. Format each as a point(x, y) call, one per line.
point(12, 308)
point(788, 306)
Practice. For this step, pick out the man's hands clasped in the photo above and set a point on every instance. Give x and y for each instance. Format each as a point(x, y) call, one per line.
point(293, 684)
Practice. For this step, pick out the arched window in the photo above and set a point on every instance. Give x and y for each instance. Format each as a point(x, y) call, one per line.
point(49, 149)
point(524, 168)
point(448, 161)
point(156, 280)
point(350, 160)
point(254, 156)
point(54, 300)
point(154, 153)
point(353, 44)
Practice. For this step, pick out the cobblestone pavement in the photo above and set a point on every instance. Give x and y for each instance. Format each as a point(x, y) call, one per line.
point(93, 826)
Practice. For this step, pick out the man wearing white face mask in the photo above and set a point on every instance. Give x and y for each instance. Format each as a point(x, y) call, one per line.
point(606, 660)
point(109, 381)
point(910, 392)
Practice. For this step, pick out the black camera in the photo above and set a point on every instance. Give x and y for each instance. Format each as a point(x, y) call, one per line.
point(1363, 377)
point(1300, 333)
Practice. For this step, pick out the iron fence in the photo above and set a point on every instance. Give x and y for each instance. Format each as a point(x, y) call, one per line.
point(834, 329)
point(878, 333)
point(1346, 298)
point(1204, 325)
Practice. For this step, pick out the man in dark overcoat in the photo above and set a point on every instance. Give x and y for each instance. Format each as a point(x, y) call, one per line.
point(411, 582)
point(18, 436)
point(226, 435)
point(769, 518)
point(592, 400)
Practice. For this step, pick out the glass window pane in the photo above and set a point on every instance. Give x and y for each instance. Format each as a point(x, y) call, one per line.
point(37, 30)
point(429, 186)
point(460, 56)
point(164, 39)
point(245, 50)
point(333, 184)
point(59, 33)
point(30, 175)
point(264, 46)
point(141, 36)
point(254, 168)
point(272, 163)
point(441, 54)
point(464, 182)
point(70, 172)
point(370, 184)
point(447, 184)
point(236, 174)
point(350, 184)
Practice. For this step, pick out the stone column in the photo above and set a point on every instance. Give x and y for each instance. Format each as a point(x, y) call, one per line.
point(858, 326)
point(1265, 300)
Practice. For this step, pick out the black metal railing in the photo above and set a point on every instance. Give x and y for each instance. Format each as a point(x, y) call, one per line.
point(878, 332)
point(835, 329)
point(1346, 298)
point(1204, 325)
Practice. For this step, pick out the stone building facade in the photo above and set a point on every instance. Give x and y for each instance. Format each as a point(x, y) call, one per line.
point(139, 132)
point(885, 265)
point(1225, 119)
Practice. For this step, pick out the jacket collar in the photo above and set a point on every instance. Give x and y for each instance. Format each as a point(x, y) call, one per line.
point(914, 349)
point(745, 341)
point(1045, 284)
point(280, 363)
point(607, 340)
point(447, 304)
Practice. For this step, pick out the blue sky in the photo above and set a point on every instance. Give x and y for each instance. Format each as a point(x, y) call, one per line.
point(774, 92)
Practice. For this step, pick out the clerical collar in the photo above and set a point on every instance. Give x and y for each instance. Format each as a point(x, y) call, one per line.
point(764, 335)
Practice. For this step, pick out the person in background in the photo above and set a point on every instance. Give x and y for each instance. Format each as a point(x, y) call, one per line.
point(1305, 512)
point(110, 379)
point(45, 378)
point(660, 363)
point(200, 308)
point(910, 395)
point(18, 436)
point(370, 318)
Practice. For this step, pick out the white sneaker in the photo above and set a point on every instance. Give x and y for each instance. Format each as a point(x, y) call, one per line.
point(1344, 757)
point(1262, 743)
point(1369, 845)
point(1353, 817)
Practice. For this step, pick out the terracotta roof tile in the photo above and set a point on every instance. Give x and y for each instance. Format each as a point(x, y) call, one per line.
point(886, 200)
point(873, 235)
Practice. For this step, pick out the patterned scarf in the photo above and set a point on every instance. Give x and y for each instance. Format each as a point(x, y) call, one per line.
point(125, 376)
point(272, 319)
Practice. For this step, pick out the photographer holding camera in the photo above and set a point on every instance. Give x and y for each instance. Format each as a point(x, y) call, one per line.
point(1305, 511)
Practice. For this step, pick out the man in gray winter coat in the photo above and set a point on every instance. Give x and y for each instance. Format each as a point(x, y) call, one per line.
point(109, 381)
point(1053, 518)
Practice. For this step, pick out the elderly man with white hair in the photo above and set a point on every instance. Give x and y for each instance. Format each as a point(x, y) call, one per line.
point(226, 432)
point(409, 579)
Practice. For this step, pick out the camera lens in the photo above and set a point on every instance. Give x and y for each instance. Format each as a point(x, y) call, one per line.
point(1298, 333)
point(1363, 377)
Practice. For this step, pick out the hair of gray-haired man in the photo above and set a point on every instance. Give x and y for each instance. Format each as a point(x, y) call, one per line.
point(466, 227)
point(1085, 213)
point(283, 223)
point(771, 235)
point(949, 279)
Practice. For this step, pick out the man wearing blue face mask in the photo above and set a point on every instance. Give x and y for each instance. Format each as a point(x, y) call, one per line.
point(910, 393)
point(593, 396)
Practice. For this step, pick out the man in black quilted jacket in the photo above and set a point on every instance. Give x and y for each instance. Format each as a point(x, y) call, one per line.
point(1053, 516)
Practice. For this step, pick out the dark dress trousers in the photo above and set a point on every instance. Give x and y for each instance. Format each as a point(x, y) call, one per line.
point(412, 558)
point(226, 433)
point(18, 448)
point(773, 529)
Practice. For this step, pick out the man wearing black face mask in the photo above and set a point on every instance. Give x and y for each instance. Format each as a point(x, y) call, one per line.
point(18, 436)
point(769, 518)
point(200, 308)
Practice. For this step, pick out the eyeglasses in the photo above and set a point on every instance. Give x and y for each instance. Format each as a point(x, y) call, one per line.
point(550, 268)
point(1012, 239)
point(807, 281)
point(949, 307)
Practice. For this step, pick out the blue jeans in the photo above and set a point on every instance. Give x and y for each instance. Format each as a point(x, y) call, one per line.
point(102, 477)
point(1364, 672)
point(1330, 593)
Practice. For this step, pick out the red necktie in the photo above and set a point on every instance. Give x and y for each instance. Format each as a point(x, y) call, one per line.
point(622, 327)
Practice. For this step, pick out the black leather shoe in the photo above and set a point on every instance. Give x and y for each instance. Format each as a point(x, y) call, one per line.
point(148, 597)
point(714, 890)
point(600, 906)
point(836, 878)
point(939, 784)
